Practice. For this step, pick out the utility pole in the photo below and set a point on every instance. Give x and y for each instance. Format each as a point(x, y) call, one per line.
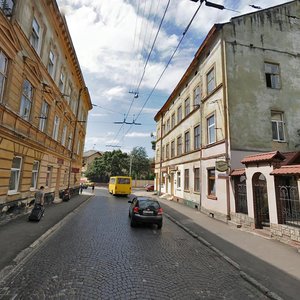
point(130, 164)
point(74, 134)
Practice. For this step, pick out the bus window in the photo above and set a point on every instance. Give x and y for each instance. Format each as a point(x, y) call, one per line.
point(123, 180)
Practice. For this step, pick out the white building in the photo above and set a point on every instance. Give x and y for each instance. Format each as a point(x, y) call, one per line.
point(239, 97)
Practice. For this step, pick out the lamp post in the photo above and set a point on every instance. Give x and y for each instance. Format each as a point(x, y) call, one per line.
point(74, 133)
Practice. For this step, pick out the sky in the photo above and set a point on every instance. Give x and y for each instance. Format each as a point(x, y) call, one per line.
point(122, 65)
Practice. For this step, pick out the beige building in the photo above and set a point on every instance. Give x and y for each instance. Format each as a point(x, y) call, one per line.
point(88, 158)
point(239, 97)
point(44, 103)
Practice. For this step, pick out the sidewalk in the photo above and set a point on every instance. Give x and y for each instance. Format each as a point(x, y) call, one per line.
point(18, 235)
point(272, 263)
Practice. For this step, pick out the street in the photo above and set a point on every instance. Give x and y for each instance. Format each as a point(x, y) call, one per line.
point(97, 255)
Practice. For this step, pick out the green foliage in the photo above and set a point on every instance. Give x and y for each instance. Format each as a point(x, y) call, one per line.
point(141, 164)
point(109, 164)
point(118, 163)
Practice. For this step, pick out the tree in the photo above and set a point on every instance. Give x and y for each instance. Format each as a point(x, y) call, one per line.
point(140, 163)
point(109, 164)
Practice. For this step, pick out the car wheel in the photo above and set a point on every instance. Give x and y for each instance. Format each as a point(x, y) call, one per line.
point(132, 223)
point(159, 226)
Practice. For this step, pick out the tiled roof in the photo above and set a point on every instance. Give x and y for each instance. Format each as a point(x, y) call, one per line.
point(237, 172)
point(287, 170)
point(290, 157)
point(262, 157)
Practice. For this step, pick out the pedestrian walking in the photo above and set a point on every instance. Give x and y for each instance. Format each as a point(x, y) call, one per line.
point(39, 196)
point(38, 210)
point(81, 188)
point(93, 188)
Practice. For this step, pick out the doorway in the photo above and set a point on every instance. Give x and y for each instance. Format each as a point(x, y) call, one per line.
point(260, 199)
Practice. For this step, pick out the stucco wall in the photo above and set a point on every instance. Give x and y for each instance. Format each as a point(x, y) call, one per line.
point(266, 36)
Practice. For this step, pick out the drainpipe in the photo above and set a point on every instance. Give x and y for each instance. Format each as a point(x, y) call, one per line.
point(225, 100)
point(200, 166)
point(161, 154)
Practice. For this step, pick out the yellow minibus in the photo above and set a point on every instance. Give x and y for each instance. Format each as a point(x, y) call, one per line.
point(120, 185)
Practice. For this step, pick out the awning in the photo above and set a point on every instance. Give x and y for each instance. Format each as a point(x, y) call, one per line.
point(238, 172)
point(287, 170)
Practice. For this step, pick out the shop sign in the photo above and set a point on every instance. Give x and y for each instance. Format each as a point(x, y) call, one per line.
point(221, 165)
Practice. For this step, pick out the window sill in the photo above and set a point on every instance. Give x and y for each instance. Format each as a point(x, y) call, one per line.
point(196, 192)
point(187, 191)
point(212, 197)
point(10, 193)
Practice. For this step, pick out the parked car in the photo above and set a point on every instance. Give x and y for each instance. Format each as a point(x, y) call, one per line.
point(149, 187)
point(145, 210)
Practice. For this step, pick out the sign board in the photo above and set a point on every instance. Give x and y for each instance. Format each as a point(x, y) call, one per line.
point(221, 165)
point(75, 170)
point(60, 161)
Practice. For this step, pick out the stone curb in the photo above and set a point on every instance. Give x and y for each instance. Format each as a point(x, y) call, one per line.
point(244, 275)
point(22, 257)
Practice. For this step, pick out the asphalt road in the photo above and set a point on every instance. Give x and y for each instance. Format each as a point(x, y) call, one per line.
point(97, 255)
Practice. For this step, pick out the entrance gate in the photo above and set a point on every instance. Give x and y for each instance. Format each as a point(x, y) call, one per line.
point(260, 198)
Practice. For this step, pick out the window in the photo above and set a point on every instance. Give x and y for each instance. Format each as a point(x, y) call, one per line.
point(197, 96)
point(179, 145)
point(197, 180)
point(211, 130)
point(26, 100)
point(197, 137)
point(44, 116)
point(15, 174)
point(157, 155)
point(211, 84)
point(64, 136)
point(163, 152)
point(187, 142)
point(48, 176)
point(272, 75)
point(35, 35)
point(172, 149)
point(61, 82)
point(55, 128)
point(7, 7)
point(187, 107)
point(78, 148)
point(51, 63)
point(179, 114)
point(186, 179)
point(277, 126)
point(178, 180)
point(211, 175)
point(168, 125)
point(35, 173)
point(70, 141)
point(173, 121)
point(167, 151)
point(3, 73)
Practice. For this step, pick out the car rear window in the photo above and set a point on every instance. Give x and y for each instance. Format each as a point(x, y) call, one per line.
point(148, 203)
point(123, 180)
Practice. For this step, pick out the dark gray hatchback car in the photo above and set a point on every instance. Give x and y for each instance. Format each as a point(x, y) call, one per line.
point(145, 210)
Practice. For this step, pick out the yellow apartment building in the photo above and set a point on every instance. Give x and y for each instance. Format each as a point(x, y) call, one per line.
point(44, 103)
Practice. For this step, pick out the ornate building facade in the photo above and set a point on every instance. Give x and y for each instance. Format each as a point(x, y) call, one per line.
point(44, 103)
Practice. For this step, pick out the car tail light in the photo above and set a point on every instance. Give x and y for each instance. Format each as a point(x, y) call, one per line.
point(160, 211)
point(136, 210)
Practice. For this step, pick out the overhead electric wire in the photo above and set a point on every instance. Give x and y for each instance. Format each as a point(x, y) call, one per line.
point(149, 54)
point(180, 41)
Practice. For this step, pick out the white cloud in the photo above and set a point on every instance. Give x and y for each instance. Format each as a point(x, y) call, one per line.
point(138, 134)
point(97, 115)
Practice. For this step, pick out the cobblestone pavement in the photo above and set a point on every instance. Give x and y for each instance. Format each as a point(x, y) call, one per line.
point(97, 255)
